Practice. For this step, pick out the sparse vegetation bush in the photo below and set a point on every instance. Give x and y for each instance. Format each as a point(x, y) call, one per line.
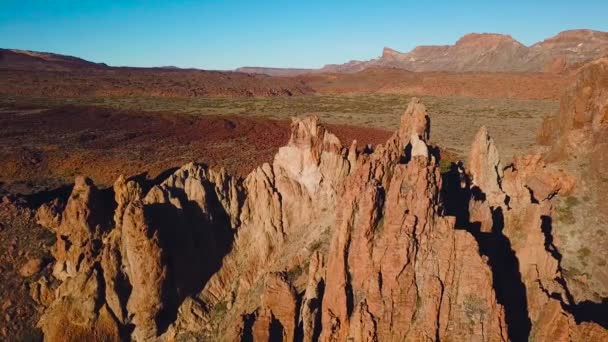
point(474, 307)
point(572, 201)
point(295, 273)
point(316, 245)
point(584, 252)
point(219, 310)
point(565, 210)
point(571, 272)
point(583, 255)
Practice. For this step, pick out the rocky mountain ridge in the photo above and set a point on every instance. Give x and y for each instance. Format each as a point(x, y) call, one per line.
point(490, 52)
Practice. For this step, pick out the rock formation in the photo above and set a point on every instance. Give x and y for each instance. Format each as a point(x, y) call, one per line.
point(393, 248)
point(276, 320)
point(326, 243)
point(576, 140)
point(310, 311)
point(519, 208)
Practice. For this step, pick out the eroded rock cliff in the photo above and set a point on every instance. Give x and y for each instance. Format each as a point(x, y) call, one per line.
point(326, 243)
point(576, 139)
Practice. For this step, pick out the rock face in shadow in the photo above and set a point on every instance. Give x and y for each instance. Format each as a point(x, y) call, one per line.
point(326, 243)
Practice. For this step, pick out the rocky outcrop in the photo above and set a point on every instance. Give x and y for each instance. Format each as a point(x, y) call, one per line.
point(582, 120)
point(303, 182)
point(78, 313)
point(83, 222)
point(326, 243)
point(276, 320)
point(310, 311)
point(146, 268)
point(576, 139)
point(517, 199)
point(77, 310)
point(393, 248)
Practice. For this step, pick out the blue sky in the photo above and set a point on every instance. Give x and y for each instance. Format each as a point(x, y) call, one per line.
point(228, 34)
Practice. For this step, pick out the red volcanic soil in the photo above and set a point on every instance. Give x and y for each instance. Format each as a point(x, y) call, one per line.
point(45, 149)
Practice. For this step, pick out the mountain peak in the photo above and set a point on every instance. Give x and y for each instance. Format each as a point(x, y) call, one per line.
point(485, 40)
point(388, 52)
point(578, 35)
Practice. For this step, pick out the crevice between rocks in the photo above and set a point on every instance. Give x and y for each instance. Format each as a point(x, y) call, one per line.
point(504, 265)
point(585, 311)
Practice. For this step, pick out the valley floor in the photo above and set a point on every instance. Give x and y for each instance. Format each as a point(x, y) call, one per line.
point(512, 122)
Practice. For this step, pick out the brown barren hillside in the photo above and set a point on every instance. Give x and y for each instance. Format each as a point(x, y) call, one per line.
point(274, 71)
point(33, 60)
point(480, 85)
point(41, 74)
point(144, 82)
point(198, 83)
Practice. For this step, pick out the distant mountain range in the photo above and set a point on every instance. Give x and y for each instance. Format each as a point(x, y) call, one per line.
point(275, 71)
point(479, 52)
point(474, 52)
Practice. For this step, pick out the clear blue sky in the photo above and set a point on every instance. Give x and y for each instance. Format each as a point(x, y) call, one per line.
point(298, 33)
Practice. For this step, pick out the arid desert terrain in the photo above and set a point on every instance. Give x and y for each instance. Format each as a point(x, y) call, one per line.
point(449, 193)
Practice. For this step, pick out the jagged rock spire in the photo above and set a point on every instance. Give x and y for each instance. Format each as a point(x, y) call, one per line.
point(415, 120)
point(485, 168)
